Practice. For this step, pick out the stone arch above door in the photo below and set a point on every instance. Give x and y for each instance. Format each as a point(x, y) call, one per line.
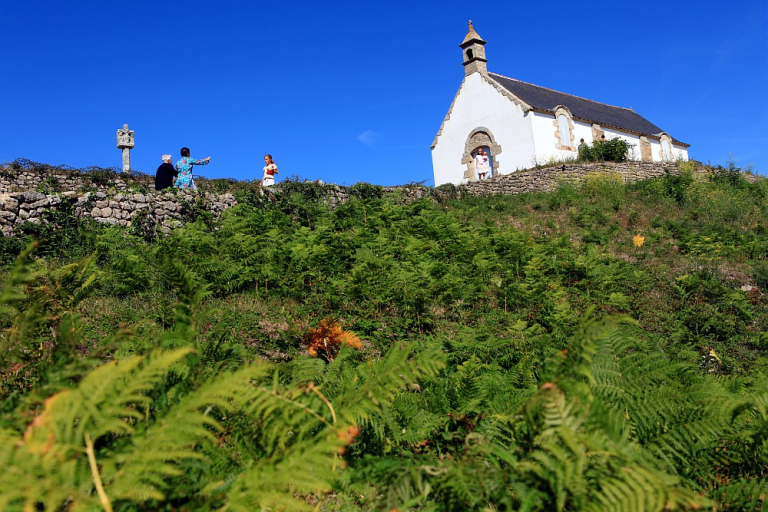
point(479, 137)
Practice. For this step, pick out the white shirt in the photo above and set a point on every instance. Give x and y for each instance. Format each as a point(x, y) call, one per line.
point(481, 163)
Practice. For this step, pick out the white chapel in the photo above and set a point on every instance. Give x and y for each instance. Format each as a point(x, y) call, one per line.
point(519, 125)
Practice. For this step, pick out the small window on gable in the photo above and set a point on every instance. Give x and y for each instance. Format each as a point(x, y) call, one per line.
point(564, 129)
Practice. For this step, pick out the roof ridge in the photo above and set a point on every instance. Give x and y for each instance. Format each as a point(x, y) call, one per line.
point(560, 92)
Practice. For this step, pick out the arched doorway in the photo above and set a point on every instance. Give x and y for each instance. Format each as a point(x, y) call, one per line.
point(478, 138)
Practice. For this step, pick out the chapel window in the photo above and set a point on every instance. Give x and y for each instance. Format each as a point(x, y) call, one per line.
point(666, 149)
point(565, 130)
point(470, 55)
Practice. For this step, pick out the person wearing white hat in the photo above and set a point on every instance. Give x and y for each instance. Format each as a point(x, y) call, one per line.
point(165, 174)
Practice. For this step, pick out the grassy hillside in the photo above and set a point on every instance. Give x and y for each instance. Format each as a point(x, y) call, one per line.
point(599, 347)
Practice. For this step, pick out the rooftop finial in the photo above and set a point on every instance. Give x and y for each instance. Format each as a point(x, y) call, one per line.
point(470, 26)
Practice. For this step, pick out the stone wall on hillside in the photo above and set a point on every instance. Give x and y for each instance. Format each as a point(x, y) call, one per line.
point(537, 180)
point(546, 179)
point(62, 180)
point(166, 210)
point(30, 195)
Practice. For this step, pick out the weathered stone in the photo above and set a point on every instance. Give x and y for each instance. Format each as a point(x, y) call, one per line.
point(106, 212)
point(102, 204)
point(8, 203)
point(40, 204)
point(96, 212)
point(69, 193)
point(32, 197)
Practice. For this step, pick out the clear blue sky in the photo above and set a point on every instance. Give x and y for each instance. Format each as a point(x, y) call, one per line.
point(356, 91)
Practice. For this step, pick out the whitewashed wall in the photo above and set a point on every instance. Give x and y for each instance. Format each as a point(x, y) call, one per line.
point(632, 140)
point(546, 144)
point(478, 104)
point(582, 131)
point(678, 152)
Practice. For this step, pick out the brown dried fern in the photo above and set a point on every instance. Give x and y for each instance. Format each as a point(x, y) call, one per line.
point(327, 339)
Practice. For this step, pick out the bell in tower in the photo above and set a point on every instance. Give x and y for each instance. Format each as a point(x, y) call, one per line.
point(473, 49)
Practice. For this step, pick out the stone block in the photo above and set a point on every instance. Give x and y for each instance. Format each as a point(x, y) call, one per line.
point(8, 203)
point(32, 197)
point(40, 204)
point(106, 212)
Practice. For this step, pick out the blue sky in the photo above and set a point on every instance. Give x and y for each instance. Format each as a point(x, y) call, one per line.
point(356, 91)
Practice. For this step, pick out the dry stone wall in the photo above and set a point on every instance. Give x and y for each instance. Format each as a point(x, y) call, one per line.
point(29, 195)
point(537, 180)
point(166, 210)
point(546, 179)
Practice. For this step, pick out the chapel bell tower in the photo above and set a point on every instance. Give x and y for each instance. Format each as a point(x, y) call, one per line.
point(473, 49)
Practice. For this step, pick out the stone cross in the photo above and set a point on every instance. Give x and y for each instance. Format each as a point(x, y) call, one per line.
point(125, 142)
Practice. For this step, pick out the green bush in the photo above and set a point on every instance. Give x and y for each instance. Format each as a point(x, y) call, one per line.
point(613, 150)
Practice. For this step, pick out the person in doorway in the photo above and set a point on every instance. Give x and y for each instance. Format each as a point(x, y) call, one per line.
point(481, 164)
point(270, 169)
point(184, 168)
point(165, 174)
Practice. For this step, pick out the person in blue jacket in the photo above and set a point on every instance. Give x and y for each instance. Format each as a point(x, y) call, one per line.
point(184, 167)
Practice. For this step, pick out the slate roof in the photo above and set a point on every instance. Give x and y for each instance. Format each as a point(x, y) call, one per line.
point(607, 116)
